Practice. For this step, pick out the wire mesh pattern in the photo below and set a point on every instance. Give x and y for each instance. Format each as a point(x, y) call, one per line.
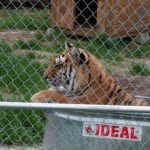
point(117, 32)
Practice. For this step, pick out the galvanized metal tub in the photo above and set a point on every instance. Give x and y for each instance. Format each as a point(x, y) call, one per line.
point(97, 130)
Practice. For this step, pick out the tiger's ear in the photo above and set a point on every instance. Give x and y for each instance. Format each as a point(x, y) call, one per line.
point(69, 45)
point(73, 50)
point(79, 56)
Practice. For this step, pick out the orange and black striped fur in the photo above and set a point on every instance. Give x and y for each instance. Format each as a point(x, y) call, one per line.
point(76, 76)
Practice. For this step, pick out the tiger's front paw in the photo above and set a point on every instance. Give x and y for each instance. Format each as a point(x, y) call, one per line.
point(42, 97)
point(37, 98)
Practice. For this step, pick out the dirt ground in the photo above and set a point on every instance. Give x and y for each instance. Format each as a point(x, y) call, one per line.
point(20, 148)
point(137, 85)
point(14, 35)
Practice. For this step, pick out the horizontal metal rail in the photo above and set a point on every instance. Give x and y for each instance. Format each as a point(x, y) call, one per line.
point(74, 107)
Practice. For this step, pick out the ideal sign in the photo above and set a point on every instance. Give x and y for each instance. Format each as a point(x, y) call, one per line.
point(112, 131)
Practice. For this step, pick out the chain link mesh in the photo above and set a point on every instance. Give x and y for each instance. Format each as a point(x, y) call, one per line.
point(33, 31)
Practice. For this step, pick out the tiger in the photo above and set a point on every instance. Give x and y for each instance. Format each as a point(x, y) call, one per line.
point(78, 77)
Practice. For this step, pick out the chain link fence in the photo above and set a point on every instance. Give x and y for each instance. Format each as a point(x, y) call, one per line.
point(117, 32)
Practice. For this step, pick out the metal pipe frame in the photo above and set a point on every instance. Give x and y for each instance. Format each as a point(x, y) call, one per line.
point(75, 107)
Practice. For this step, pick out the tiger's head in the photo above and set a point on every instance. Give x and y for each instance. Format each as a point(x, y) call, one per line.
point(70, 71)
